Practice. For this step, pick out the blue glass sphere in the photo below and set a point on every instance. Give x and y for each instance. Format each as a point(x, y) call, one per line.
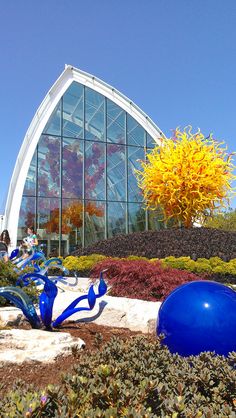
point(199, 316)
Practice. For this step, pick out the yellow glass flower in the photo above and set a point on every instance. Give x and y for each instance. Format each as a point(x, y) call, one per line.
point(188, 176)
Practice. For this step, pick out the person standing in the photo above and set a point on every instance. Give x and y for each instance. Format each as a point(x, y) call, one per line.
point(4, 243)
point(31, 240)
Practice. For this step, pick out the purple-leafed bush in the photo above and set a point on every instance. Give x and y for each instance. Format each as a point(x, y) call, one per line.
point(141, 279)
point(192, 242)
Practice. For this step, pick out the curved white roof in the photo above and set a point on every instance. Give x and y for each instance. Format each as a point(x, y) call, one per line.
point(38, 123)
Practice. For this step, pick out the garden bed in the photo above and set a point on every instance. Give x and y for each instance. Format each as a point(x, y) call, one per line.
point(192, 242)
point(41, 375)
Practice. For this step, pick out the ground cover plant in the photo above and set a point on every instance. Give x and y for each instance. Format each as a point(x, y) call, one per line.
point(192, 242)
point(137, 377)
point(141, 279)
point(82, 265)
point(213, 268)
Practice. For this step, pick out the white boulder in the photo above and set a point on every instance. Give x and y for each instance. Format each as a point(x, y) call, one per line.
point(17, 346)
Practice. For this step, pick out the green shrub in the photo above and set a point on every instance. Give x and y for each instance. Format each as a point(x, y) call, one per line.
point(214, 265)
point(190, 265)
point(134, 378)
point(201, 267)
point(233, 262)
point(225, 269)
point(216, 261)
point(7, 274)
point(231, 268)
point(135, 257)
point(177, 263)
point(83, 263)
point(220, 269)
point(8, 277)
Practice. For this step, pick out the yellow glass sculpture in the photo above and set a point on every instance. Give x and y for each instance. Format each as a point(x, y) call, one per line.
point(188, 175)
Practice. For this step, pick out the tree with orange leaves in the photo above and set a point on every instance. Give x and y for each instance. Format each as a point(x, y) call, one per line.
point(188, 176)
point(71, 217)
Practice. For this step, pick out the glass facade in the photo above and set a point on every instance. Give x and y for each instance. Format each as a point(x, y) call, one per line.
point(81, 185)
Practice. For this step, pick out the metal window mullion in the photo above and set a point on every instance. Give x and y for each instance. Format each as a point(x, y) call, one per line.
point(126, 178)
point(36, 191)
point(105, 171)
point(83, 174)
point(146, 211)
point(60, 179)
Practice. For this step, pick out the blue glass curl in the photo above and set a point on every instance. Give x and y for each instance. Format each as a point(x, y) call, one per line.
point(21, 262)
point(53, 262)
point(47, 297)
point(56, 260)
point(23, 302)
point(14, 253)
point(91, 296)
point(102, 287)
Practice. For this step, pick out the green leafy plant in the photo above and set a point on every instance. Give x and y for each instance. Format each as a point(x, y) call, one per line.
point(225, 221)
point(9, 276)
point(134, 378)
point(82, 264)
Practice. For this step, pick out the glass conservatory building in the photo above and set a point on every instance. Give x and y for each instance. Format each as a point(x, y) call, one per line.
point(74, 177)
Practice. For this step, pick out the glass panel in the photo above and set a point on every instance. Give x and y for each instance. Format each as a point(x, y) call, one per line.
point(134, 156)
point(48, 224)
point(150, 141)
point(136, 217)
point(72, 222)
point(53, 126)
point(94, 222)
point(94, 115)
point(72, 168)
point(155, 219)
point(73, 111)
point(48, 166)
point(94, 170)
point(116, 218)
point(116, 172)
point(30, 182)
point(136, 135)
point(26, 216)
point(115, 123)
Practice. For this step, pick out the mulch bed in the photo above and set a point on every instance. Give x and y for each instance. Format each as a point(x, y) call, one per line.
point(41, 375)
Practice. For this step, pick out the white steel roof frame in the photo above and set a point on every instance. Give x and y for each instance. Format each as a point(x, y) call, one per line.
point(38, 123)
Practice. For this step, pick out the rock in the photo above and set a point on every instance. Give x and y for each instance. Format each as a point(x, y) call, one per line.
point(17, 346)
point(10, 316)
point(135, 314)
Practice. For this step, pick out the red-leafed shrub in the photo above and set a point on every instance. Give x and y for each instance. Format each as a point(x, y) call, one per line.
point(141, 279)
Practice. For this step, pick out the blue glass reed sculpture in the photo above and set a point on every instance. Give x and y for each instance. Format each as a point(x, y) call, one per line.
point(23, 302)
point(46, 301)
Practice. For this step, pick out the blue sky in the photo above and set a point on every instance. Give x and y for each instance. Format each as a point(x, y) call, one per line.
point(176, 59)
